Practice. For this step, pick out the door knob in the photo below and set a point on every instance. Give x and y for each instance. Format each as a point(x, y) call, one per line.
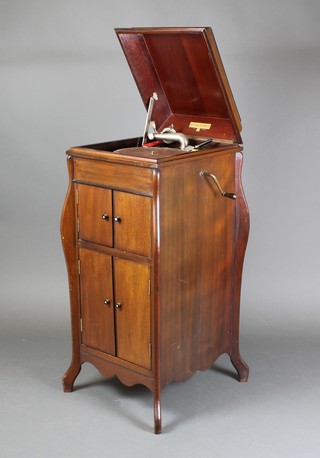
point(105, 217)
point(118, 305)
point(107, 301)
point(117, 219)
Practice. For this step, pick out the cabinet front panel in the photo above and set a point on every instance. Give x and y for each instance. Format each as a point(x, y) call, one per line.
point(132, 302)
point(132, 223)
point(97, 300)
point(95, 214)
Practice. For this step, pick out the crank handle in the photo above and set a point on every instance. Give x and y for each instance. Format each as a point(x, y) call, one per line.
point(230, 195)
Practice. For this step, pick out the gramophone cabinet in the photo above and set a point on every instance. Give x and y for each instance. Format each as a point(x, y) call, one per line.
point(154, 228)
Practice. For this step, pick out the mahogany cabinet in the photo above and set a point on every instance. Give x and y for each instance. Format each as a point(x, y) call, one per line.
point(154, 233)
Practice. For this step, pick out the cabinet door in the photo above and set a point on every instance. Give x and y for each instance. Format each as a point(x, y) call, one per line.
point(95, 214)
point(132, 223)
point(132, 298)
point(97, 300)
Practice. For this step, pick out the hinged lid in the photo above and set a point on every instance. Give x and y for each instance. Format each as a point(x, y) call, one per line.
point(183, 67)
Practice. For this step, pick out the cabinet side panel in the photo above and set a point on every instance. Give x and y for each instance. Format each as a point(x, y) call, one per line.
point(196, 256)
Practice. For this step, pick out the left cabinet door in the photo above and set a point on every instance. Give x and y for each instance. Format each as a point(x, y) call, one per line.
point(96, 293)
point(95, 214)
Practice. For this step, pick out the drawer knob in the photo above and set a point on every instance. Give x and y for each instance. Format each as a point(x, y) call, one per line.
point(107, 301)
point(117, 219)
point(118, 305)
point(105, 217)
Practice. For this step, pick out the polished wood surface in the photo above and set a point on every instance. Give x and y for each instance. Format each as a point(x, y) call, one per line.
point(113, 218)
point(128, 178)
point(241, 234)
point(68, 230)
point(132, 292)
point(196, 265)
point(95, 214)
point(175, 271)
point(183, 66)
point(132, 228)
point(97, 304)
point(154, 252)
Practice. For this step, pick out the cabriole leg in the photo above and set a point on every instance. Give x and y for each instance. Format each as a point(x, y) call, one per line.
point(242, 223)
point(240, 366)
point(157, 410)
point(70, 376)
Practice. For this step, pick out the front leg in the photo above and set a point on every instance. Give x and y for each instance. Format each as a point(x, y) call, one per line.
point(70, 376)
point(68, 239)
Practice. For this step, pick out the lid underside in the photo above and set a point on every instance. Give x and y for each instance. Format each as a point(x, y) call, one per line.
point(183, 67)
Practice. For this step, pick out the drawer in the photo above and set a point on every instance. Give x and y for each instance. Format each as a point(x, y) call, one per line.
point(112, 175)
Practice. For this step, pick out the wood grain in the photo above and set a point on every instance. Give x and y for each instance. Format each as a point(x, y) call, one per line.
point(133, 232)
point(95, 214)
point(97, 305)
point(196, 249)
point(133, 316)
point(157, 295)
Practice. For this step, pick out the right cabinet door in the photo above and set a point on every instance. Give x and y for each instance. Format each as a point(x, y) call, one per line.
point(132, 303)
point(132, 222)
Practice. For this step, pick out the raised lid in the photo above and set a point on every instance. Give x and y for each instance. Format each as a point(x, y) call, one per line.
point(183, 67)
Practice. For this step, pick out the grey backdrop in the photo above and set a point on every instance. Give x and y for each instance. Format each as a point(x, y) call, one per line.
point(64, 81)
